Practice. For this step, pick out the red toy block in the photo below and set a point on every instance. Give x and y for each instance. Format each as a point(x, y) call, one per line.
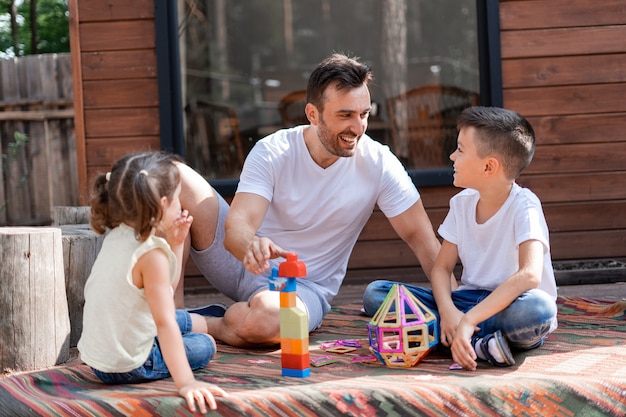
point(291, 361)
point(292, 267)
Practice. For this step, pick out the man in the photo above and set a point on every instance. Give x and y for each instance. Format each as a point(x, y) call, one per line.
point(309, 190)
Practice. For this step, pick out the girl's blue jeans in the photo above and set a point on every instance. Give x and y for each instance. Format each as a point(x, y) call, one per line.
point(525, 323)
point(199, 348)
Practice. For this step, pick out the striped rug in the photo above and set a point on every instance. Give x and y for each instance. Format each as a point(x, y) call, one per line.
point(580, 371)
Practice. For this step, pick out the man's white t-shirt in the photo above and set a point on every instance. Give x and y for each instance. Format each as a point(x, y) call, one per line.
point(318, 213)
point(489, 252)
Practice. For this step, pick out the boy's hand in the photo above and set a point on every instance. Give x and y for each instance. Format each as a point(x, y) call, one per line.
point(202, 393)
point(463, 352)
point(449, 322)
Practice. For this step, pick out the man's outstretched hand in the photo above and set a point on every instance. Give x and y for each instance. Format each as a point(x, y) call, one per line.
point(258, 253)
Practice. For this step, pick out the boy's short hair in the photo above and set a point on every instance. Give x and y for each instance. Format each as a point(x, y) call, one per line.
point(503, 133)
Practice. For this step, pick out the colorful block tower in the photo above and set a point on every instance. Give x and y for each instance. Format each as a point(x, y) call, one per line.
point(294, 323)
point(403, 330)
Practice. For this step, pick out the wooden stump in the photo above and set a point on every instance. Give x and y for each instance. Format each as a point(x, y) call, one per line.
point(62, 215)
point(34, 321)
point(80, 248)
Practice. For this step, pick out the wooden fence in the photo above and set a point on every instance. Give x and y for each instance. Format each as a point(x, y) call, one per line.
point(37, 140)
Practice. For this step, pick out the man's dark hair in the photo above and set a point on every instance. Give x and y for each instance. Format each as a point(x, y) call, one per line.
point(341, 71)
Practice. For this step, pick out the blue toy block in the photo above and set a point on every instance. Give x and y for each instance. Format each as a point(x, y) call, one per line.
point(282, 284)
point(297, 373)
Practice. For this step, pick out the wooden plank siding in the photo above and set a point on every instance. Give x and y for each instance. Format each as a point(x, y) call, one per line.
point(380, 247)
point(564, 67)
point(117, 108)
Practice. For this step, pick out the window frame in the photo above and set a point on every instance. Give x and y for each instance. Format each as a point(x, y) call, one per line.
point(170, 85)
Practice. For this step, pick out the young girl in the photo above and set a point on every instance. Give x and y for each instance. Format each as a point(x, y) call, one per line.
point(131, 329)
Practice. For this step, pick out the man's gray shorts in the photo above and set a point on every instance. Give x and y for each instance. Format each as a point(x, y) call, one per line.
point(227, 274)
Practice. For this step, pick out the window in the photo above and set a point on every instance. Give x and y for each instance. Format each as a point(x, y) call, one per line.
point(244, 61)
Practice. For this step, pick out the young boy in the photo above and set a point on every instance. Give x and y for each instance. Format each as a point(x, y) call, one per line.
point(498, 231)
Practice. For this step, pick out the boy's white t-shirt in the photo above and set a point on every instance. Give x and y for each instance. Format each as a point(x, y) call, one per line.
point(318, 213)
point(489, 252)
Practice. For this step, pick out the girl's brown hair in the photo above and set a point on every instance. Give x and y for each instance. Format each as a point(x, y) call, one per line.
point(131, 193)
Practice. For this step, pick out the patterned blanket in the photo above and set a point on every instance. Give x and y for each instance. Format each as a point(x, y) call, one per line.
point(580, 371)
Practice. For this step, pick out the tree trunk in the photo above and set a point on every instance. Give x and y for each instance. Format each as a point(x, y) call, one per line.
point(34, 34)
point(34, 320)
point(62, 215)
point(80, 249)
point(394, 56)
point(15, 38)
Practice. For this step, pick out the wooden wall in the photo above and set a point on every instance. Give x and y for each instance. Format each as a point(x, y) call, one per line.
point(564, 67)
point(380, 247)
point(115, 73)
point(37, 144)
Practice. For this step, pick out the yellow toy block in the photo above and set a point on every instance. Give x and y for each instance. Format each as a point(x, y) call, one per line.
point(294, 324)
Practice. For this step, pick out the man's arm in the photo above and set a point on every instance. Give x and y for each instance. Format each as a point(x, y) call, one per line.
point(245, 216)
point(415, 228)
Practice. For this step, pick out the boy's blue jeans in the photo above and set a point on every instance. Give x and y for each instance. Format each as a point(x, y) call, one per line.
point(199, 348)
point(525, 323)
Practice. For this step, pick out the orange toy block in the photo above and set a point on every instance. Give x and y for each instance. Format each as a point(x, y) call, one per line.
point(294, 346)
point(287, 299)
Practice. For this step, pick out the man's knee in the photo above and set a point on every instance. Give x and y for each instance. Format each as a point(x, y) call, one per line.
point(261, 323)
point(260, 333)
point(201, 201)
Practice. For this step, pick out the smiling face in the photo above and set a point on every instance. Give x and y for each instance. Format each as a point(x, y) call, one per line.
point(341, 123)
point(469, 167)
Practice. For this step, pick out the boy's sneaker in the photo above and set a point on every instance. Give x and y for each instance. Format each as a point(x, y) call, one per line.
point(497, 353)
point(211, 310)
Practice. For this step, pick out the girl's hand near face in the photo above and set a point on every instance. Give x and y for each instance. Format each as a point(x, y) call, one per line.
point(177, 232)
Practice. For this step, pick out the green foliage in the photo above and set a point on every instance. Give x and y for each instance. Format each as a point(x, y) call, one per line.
point(52, 27)
point(19, 140)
